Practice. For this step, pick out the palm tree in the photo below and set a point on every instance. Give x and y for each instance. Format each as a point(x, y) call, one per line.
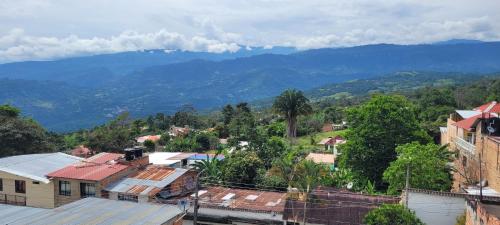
point(309, 177)
point(290, 104)
point(211, 168)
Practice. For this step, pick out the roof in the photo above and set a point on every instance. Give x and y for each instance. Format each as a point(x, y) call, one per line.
point(487, 191)
point(153, 138)
point(163, 158)
point(100, 211)
point(324, 203)
point(321, 158)
point(325, 141)
point(243, 199)
point(470, 123)
point(202, 156)
point(81, 150)
point(9, 214)
point(94, 168)
point(148, 182)
point(493, 107)
point(36, 166)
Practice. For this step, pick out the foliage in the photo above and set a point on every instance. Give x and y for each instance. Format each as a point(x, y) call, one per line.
point(290, 104)
point(309, 175)
point(334, 114)
point(377, 127)
point(150, 145)
point(21, 136)
point(112, 137)
point(309, 124)
point(242, 167)
point(272, 150)
point(391, 214)
point(276, 129)
point(461, 219)
point(210, 168)
point(428, 166)
point(182, 144)
point(242, 126)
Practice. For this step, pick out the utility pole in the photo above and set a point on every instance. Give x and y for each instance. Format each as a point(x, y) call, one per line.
point(196, 189)
point(407, 186)
point(480, 178)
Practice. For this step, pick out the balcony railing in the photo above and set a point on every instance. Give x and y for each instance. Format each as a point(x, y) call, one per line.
point(465, 145)
point(12, 199)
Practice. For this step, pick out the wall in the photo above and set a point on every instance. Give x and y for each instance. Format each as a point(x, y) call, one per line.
point(37, 195)
point(436, 208)
point(478, 215)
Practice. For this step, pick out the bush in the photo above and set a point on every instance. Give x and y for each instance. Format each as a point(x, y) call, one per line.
point(391, 214)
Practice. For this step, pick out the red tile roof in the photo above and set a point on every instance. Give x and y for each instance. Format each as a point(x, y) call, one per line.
point(491, 107)
point(94, 168)
point(469, 123)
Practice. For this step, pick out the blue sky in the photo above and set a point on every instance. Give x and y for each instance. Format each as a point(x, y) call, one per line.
point(49, 29)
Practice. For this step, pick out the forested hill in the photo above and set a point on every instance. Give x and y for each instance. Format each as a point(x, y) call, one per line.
point(88, 98)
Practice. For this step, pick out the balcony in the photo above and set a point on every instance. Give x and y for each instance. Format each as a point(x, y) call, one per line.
point(12, 199)
point(466, 146)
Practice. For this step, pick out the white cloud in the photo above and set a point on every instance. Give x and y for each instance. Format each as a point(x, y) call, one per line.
point(55, 29)
point(17, 46)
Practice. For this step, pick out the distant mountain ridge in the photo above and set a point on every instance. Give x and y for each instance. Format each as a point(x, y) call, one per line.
point(99, 93)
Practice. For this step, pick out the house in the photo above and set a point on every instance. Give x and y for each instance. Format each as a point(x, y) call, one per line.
point(223, 205)
point(435, 207)
point(179, 159)
point(153, 138)
point(332, 206)
point(82, 151)
point(331, 143)
point(339, 126)
point(23, 179)
point(326, 159)
point(89, 177)
point(152, 183)
point(178, 131)
point(96, 211)
point(482, 212)
point(475, 136)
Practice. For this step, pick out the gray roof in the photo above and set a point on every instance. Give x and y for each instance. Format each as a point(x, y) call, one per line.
point(9, 214)
point(124, 185)
point(36, 166)
point(98, 211)
point(467, 113)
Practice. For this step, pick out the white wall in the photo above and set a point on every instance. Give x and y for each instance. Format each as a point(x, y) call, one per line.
point(435, 208)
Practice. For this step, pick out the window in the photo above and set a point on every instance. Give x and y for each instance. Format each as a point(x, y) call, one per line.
point(87, 190)
point(124, 197)
point(20, 186)
point(64, 188)
point(464, 161)
point(1, 185)
point(36, 182)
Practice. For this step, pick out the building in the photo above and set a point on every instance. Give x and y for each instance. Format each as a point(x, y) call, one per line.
point(222, 205)
point(331, 143)
point(153, 138)
point(96, 211)
point(332, 206)
point(23, 179)
point(153, 183)
point(82, 151)
point(482, 213)
point(89, 177)
point(436, 207)
point(326, 159)
point(178, 131)
point(475, 136)
point(179, 159)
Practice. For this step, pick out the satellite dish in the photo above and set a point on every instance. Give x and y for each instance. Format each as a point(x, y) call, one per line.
point(349, 185)
point(491, 129)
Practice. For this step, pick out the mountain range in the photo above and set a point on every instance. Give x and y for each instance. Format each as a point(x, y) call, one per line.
point(81, 92)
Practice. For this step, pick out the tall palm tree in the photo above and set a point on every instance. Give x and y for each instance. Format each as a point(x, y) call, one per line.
point(290, 104)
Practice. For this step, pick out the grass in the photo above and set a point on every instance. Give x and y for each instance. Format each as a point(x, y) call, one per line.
point(305, 141)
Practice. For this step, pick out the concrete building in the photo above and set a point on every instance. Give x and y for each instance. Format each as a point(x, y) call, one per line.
point(94, 211)
point(89, 177)
point(152, 184)
point(475, 136)
point(436, 207)
point(23, 178)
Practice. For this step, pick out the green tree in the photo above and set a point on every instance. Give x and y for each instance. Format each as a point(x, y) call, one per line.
point(391, 214)
point(377, 127)
point(272, 149)
point(334, 114)
point(112, 137)
point(9, 111)
point(242, 126)
point(210, 167)
point(242, 167)
point(150, 145)
point(290, 104)
point(428, 166)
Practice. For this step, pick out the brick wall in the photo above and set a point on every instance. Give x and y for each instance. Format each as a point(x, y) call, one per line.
point(477, 214)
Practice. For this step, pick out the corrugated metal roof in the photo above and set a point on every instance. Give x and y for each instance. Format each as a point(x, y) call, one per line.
point(100, 211)
point(9, 214)
point(132, 184)
point(94, 168)
point(321, 158)
point(37, 166)
point(467, 113)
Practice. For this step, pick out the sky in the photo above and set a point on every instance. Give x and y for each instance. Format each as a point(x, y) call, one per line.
point(53, 29)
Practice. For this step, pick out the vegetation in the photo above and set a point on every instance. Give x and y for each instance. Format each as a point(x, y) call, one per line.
point(391, 214)
point(290, 104)
point(428, 165)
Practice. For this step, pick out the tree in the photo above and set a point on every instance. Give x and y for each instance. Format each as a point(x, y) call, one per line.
point(242, 126)
point(150, 145)
point(20, 135)
point(309, 176)
point(290, 104)
point(334, 114)
point(428, 166)
point(272, 149)
point(377, 127)
point(112, 137)
point(242, 167)
point(210, 167)
point(391, 214)
point(227, 114)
